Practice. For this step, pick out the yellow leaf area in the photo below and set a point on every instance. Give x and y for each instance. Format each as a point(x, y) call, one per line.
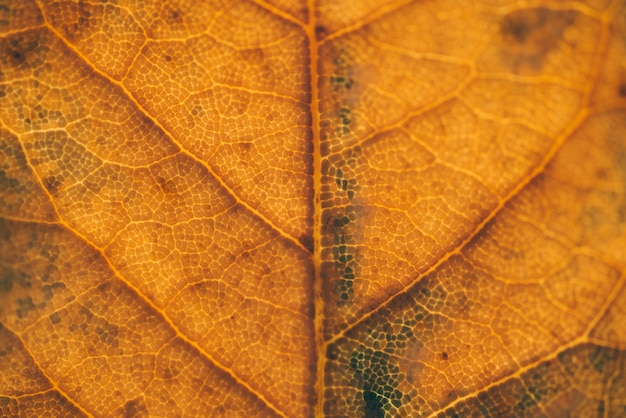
point(325, 208)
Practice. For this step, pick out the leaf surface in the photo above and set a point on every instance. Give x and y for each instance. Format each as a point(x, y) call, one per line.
point(322, 208)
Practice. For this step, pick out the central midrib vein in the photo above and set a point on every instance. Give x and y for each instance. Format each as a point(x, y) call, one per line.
point(317, 208)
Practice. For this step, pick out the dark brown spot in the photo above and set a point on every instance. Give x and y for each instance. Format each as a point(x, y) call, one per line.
point(168, 58)
point(86, 312)
point(52, 184)
point(135, 407)
point(320, 32)
point(444, 356)
point(529, 35)
point(516, 28)
point(244, 151)
point(168, 186)
point(622, 90)
point(174, 17)
point(55, 318)
point(104, 287)
point(17, 57)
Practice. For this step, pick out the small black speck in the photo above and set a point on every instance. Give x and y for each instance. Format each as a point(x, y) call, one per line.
point(17, 57)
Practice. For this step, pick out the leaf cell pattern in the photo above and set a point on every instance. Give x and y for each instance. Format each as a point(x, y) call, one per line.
point(312, 208)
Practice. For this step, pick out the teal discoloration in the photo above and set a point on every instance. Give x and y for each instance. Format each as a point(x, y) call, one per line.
point(377, 370)
point(342, 79)
point(11, 278)
point(7, 182)
point(585, 368)
point(602, 360)
point(26, 305)
point(525, 404)
point(344, 116)
point(6, 281)
point(374, 406)
point(341, 228)
point(340, 221)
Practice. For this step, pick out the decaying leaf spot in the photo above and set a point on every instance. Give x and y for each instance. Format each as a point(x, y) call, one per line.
point(135, 407)
point(530, 34)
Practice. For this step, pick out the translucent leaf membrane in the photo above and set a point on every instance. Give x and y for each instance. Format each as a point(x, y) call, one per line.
point(321, 208)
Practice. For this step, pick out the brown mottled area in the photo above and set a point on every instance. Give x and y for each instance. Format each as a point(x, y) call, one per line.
point(530, 34)
point(546, 388)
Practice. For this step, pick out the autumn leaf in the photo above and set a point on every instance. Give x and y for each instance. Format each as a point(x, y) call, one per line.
point(321, 208)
